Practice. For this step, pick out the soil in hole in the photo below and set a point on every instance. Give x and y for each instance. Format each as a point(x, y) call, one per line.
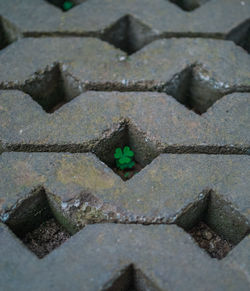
point(48, 236)
point(215, 245)
point(128, 173)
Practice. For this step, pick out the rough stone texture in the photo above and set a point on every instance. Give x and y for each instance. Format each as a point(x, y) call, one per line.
point(211, 19)
point(81, 124)
point(159, 193)
point(104, 250)
point(170, 79)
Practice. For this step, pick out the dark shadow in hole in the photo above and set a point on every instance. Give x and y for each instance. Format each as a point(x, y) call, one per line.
point(189, 5)
point(128, 34)
point(4, 41)
point(34, 223)
point(131, 279)
point(52, 88)
point(126, 134)
point(195, 88)
point(214, 224)
point(241, 35)
point(8, 33)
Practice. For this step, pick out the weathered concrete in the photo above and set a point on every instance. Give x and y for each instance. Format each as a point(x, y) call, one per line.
point(155, 123)
point(164, 66)
point(162, 17)
point(171, 80)
point(84, 190)
point(105, 251)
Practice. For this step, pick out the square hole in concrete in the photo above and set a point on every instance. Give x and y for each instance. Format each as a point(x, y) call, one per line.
point(128, 34)
point(195, 88)
point(241, 35)
point(126, 134)
point(65, 5)
point(52, 88)
point(189, 5)
point(35, 225)
point(8, 33)
point(4, 41)
point(131, 279)
point(214, 224)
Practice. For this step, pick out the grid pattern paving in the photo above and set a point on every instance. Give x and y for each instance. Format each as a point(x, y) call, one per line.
point(169, 79)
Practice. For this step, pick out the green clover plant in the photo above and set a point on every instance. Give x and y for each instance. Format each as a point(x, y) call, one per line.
point(67, 5)
point(124, 159)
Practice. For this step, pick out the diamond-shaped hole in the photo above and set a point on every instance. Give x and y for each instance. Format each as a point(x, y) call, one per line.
point(214, 225)
point(126, 135)
point(130, 279)
point(189, 5)
point(195, 88)
point(65, 5)
point(241, 35)
point(128, 34)
point(52, 88)
point(8, 33)
point(34, 224)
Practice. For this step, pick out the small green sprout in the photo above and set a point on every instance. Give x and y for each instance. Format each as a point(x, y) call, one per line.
point(126, 175)
point(124, 159)
point(67, 5)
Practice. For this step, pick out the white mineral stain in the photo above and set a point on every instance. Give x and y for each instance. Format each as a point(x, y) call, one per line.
point(64, 67)
point(125, 82)
point(64, 205)
point(204, 77)
point(201, 195)
point(122, 58)
point(77, 203)
point(5, 217)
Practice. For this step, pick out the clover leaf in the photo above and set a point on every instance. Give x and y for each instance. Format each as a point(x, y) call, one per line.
point(127, 152)
point(124, 158)
point(118, 153)
point(67, 5)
